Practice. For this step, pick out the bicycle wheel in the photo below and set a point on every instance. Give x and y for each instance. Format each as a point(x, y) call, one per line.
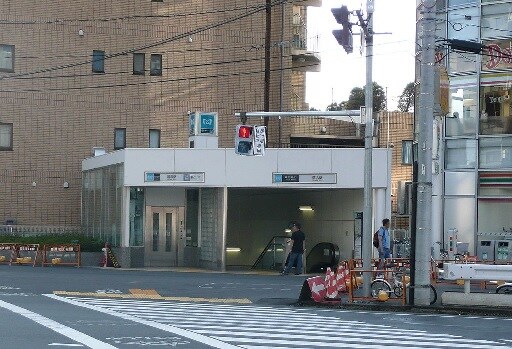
point(433, 294)
point(380, 285)
point(504, 289)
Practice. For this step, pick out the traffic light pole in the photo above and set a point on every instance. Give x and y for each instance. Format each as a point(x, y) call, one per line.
point(368, 146)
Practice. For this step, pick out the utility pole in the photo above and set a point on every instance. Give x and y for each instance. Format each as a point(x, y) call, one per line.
point(425, 141)
point(268, 32)
point(368, 150)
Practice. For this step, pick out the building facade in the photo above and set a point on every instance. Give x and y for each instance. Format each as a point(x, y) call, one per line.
point(476, 183)
point(75, 76)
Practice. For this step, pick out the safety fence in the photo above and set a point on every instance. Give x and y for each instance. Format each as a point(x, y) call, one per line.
point(67, 254)
point(32, 254)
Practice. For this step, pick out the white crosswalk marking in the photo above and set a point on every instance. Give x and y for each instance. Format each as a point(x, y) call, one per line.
point(255, 327)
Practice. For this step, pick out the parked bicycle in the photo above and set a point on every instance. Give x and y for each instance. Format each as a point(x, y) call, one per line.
point(396, 286)
point(505, 288)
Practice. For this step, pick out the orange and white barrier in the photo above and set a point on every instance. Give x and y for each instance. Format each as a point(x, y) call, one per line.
point(61, 254)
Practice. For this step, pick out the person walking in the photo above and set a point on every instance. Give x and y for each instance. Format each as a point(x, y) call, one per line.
point(298, 242)
point(384, 243)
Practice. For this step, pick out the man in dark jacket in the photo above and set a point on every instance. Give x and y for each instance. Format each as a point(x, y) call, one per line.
point(298, 246)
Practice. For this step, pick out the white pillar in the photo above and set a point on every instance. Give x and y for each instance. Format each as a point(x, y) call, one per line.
point(125, 217)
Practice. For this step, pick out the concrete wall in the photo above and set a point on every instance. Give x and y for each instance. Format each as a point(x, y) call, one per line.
point(254, 217)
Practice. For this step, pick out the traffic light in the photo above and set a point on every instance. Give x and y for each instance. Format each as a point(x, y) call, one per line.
point(244, 140)
point(343, 36)
point(341, 15)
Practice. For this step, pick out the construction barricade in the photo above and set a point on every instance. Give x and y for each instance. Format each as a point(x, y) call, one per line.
point(328, 288)
point(25, 254)
point(7, 251)
point(61, 254)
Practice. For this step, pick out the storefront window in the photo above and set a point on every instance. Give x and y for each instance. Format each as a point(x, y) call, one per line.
point(495, 184)
point(495, 152)
point(496, 20)
point(493, 215)
point(464, 24)
point(462, 119)
point(496, 116)
point(460, 214)
point(460, 153)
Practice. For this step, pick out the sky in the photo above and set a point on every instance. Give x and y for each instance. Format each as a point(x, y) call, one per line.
point(393, 61)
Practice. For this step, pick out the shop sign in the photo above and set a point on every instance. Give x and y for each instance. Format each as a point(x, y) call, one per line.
point(499, 55)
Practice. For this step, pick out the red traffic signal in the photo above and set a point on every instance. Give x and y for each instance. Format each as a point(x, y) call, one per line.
point(244, 131)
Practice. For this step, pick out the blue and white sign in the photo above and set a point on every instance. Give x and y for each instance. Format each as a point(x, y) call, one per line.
point(299, 178)
point(202, 123)
point(176, 177)
point(207, 123)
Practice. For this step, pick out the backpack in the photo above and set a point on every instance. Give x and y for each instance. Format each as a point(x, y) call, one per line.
point(376, 239)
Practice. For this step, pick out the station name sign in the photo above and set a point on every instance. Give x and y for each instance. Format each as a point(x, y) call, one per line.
point(174, 177)
point(300, 178)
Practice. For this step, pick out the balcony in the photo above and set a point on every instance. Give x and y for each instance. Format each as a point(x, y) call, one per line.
point(314, 3)
point(304, 59)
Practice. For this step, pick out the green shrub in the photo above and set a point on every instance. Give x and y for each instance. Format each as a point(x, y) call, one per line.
point(87, 244)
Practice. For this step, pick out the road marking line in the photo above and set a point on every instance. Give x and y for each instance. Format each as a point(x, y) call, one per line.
point(58, 327)
point(167, 328)
point(64, 345)
point(153, 296)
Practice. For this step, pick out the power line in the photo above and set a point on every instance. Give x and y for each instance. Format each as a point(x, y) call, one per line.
point(121, 18)
point(157, 43)
point(221, 75)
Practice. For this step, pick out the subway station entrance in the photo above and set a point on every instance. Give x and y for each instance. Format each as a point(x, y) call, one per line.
point(213, 209)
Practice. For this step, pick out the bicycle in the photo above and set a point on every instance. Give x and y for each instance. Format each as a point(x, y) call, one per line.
point(505, 288)
point(396, 287)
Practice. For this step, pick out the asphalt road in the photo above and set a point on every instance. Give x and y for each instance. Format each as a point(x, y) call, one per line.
point(63, 307)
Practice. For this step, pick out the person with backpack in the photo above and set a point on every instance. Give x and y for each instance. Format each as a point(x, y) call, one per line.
point(384, 243)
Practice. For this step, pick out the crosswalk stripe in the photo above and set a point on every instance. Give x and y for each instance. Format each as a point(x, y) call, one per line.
point(256, 327)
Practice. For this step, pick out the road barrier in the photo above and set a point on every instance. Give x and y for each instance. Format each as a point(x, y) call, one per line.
point(61, 254)
point(25, 254)
point(6, 252)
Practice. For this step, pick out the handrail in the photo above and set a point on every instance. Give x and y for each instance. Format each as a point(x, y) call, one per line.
point(265, 250)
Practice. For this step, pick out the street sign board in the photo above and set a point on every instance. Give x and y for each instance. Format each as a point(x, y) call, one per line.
point(175, 177)
point(300, 178)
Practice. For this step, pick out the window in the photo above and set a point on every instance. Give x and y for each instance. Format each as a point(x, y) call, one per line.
point(495, 20)
point(98, 61)
point(156, 65)
point(119, 138)
point(407, 153)
point(495, 115)
point(154, 138)
point(139, 66)
point(463, 117)
point(495, 152)
point(5, 136)
point(7, 58)
point(460, 153)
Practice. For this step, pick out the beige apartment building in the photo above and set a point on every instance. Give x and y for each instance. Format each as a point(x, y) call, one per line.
point(125, 74)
